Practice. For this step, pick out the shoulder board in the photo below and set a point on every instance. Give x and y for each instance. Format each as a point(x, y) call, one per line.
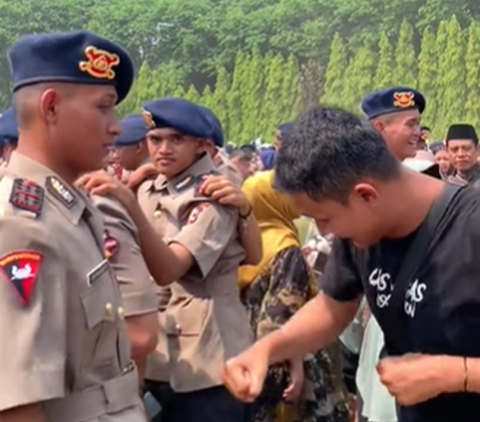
point(26, 195)
point(191, 180)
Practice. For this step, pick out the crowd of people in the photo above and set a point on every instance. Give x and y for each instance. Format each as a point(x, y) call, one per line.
point(153, 271)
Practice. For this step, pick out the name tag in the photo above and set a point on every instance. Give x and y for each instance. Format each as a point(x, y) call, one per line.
point(94, 275)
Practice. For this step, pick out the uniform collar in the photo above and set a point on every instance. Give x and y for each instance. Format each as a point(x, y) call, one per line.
point(70, 201)
point(219, 158)
point(203, 165)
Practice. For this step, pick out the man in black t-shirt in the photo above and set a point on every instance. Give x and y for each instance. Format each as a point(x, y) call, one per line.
point(339, 172)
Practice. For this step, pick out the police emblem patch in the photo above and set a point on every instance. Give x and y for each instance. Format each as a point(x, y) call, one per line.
point(197, 211)
point(99, 63)
point(21, 269)
point(27, 195)
point(147, 116)
point(60, 191)
point(110, 244)
point(404, 99)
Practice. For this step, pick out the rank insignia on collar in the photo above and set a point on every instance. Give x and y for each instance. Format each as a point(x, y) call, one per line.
point(405, 99)
point(99, 63)
point(111, 244)
point(21, 269)
point(60, 191)
point(147, 116)
point(186, 182)
point(27, 195)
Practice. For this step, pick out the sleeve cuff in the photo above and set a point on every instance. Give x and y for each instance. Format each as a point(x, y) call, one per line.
point(26, 388)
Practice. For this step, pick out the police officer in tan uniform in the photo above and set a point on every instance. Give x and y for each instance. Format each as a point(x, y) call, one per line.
point(130, 146)
point(205, 321)
point(215, 145)
point(67, 357)
point(8, 134)
point(122, 249)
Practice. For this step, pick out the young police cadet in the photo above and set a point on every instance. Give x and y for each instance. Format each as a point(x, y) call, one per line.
point(406, 241)
point(396, 113)
point(8, 133)
point(65, 354)
point(131, 150)
point(214, 148)
point(205, 322)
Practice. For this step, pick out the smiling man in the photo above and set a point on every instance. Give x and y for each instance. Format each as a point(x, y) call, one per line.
point(396, 114)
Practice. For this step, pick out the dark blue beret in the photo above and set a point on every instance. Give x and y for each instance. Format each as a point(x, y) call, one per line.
point(217, 137)
point(79, 57)
point(134, 130)
point(179, 114)
point(286, 129)
point(9, 126)
point(392, 100)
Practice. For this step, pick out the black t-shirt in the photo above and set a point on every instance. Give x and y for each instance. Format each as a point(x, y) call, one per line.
point(441, 309)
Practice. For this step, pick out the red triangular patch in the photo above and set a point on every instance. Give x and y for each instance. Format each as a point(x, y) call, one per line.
point(21, 269)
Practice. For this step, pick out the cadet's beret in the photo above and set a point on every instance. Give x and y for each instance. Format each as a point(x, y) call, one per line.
point(134, 130)
point(78, 57)
point(392, 100)
point(9, 126)
point(179, 114)
point(217, 137)
point(286, 129)
point(461, 131)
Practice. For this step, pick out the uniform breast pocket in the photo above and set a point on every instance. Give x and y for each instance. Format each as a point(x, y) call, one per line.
point(100, 301)
point(187, 318)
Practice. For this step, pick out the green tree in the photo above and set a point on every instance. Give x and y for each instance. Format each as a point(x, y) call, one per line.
point(251, 98)
point(220, 99)
point(472, 75)
point(405, 59)
point(358, 78)
point(334, 76)
point(427, 74)
point(451, 78)
point(384, 75)
point(272, 107)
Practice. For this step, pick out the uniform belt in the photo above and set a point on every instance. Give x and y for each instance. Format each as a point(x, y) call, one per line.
point(111, 396)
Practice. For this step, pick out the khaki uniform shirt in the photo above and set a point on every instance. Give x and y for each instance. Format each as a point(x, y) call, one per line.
point(205, 321)
point(122, 248)
point(227, 168)
point(65, 344)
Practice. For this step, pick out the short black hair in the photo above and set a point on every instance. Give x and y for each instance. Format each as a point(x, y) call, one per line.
point(249, 147)
point(328, 152)
point(436, 146)
point(243, 155)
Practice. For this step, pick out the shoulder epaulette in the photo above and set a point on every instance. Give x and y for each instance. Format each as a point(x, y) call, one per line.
point(27, 195)
point(191, 180)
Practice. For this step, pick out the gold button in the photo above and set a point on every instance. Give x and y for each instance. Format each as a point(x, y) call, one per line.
point(108, 309)
point(121, 313)
point(157, 214)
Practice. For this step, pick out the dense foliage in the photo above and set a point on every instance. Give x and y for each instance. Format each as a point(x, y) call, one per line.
point(258, 62)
